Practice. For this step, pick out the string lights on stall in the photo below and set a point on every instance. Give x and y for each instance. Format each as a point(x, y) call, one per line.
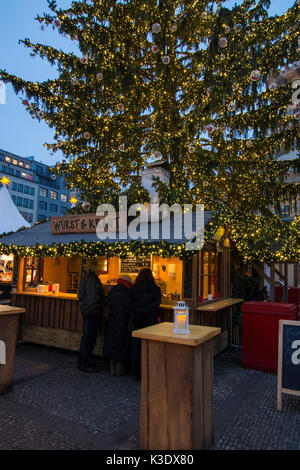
point(190, 80)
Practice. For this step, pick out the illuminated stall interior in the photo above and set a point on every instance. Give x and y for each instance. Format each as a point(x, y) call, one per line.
point(6, 268)
point(65, 272)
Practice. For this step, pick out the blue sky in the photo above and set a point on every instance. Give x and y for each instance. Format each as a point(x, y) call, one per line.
point(19, 133)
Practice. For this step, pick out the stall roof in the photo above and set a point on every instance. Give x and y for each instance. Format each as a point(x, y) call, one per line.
point(41, 234)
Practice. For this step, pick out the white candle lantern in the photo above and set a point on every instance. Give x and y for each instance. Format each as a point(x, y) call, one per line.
point(181, 318)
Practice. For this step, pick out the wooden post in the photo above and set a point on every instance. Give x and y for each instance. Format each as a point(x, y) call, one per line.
point(272, 283)
point(279, 368)
point(295, 274)
point(177, 387)
point(286, 283)
point(9, 322)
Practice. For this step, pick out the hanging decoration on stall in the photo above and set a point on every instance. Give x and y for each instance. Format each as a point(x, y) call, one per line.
point(15, 271)
point(288, 374)
point(133, 264)
point(79, 223)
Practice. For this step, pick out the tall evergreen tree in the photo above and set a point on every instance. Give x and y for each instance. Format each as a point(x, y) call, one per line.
point(185, 81)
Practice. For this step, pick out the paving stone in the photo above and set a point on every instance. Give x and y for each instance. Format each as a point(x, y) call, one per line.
point(55, 406)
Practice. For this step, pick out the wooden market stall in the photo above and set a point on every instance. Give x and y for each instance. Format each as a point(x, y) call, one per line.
point(10, 220)
point(50, 257)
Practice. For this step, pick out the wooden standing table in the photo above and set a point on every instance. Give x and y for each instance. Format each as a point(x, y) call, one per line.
point(218, 305)
point(177, 387)
point(9, 323)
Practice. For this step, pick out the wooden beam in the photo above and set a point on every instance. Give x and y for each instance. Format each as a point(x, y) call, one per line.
point(261, 272)
point(279, 274)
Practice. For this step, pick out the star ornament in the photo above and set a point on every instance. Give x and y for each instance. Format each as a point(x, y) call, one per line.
point(73, 200)
point(5, 180)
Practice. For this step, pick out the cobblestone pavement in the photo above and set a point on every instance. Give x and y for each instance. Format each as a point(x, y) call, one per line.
point(55, 406)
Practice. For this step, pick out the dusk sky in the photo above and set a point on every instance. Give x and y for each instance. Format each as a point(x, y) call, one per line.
point(19, 133)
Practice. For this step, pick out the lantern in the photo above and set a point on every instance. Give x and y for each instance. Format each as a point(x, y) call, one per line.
point(181, 318)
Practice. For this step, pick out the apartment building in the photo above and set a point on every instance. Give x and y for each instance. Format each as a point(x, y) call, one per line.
point(37, 193)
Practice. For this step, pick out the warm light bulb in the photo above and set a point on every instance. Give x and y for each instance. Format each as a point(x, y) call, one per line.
point(5, 180)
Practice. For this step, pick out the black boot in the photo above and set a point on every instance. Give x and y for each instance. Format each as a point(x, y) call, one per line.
point(88, 367)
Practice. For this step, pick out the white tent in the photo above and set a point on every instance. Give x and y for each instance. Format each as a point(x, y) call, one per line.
point(10, 218)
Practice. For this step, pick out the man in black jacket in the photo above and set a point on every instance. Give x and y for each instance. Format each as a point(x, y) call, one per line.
point(91, 300)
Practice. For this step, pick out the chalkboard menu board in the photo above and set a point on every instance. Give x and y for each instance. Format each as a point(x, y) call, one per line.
point(132, 264)
point(288, 359)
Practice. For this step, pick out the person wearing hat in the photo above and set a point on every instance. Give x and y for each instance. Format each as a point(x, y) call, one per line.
point(117, 337)
point(92, 301)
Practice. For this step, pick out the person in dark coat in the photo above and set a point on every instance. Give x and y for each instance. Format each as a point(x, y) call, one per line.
point(145, 298)
point(91, 300)
point(117, 337)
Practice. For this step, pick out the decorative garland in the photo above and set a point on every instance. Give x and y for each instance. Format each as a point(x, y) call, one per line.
point(279, 243)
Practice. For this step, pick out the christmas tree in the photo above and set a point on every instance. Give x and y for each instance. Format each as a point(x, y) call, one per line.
point(190, 82)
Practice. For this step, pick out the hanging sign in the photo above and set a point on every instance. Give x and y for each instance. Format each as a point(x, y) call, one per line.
point(80, 223)
point(288, 374)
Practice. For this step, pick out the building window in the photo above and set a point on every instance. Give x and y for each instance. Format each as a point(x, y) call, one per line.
point(27, 166)
point(21, 163)
point(53, 195)
point(26, 176)
point(14, 199)
point(53, 207)
point(32, 191)
point(14, 186)
point(20, 188)
point(18, 173)
point(44, 192)
point(43, 205)
point(25, 202)
point(208, 274)
point(64, 197)
point(63, 210)
point(30, 218)
point(26, 189)
point(19, 201)
point(7, 159)
point(41, 217)
point(15, 162)
point(286, 211)
point(4, 168)
point(31, 203)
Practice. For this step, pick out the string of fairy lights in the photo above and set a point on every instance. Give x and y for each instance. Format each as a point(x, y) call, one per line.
point(193, 83)
point(279, 245)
